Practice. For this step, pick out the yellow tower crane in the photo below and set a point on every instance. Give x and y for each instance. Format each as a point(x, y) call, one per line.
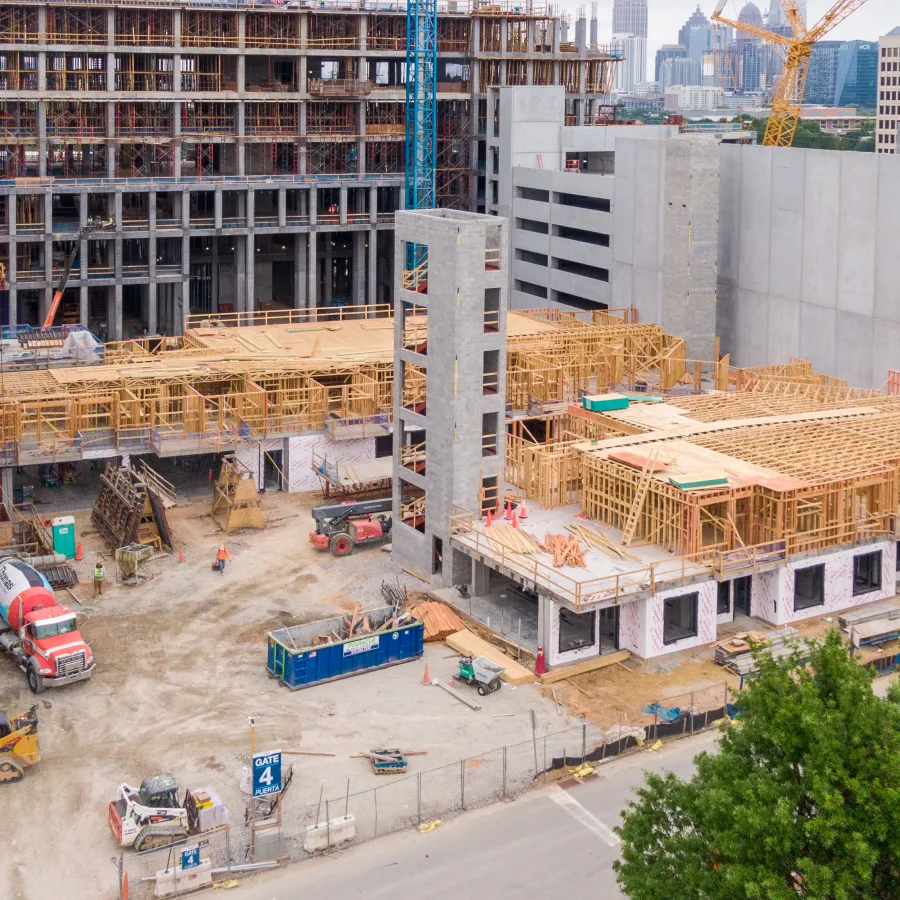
point(788, 94)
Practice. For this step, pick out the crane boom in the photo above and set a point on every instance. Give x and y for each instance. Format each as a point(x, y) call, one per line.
point(788, 95)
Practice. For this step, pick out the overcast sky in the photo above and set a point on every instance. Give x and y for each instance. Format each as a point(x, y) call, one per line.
point(874, 19)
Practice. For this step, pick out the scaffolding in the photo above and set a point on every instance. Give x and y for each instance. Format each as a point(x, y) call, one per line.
point(18, 121)
point(543, 71)
point(386, 32)
point(516, 72)
point(144, 120)
point(332, 118)
point(490, 74)
point(77, 160)
point(18, 71)
point(331, 158)
point(454, 35)
point(143, 72)
point(333, 32)
point(202, 118)
point(385, 118)
point(74, 119)
point(454, 154)
point(145, 27)
point(491, 35)
point(517, 36)
point(201, 28)
point(272, 119)
point(569, 75)
point(204, 74)
point(19, 161)
point(272, 30)
point(600, 76)
point(384, 157)
point(76, 72)
point(76, 25)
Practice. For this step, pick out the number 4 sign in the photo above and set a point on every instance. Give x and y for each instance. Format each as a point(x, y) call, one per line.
point(266, 773)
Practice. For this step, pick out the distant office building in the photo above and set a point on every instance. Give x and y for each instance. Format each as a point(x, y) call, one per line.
point(668, 51)
point(888, 92)
point(630, 17)
point(696, 35)
point(679, 72)
point(857, 74)
point(823, 72)
point(633, 69)
point(688, 97)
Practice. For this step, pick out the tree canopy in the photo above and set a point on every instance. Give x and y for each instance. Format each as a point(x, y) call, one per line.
point(801, 799)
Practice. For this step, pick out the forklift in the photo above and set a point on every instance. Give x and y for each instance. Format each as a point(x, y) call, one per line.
point(345, 525)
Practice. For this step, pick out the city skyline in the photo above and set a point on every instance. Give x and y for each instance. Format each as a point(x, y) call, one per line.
point(666, 17)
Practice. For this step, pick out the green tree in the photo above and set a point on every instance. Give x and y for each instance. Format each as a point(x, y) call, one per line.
point(801, 799)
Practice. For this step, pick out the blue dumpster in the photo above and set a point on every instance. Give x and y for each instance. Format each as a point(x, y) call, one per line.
point(297, 657)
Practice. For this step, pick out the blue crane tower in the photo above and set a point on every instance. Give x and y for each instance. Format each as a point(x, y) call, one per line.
point(421, 103)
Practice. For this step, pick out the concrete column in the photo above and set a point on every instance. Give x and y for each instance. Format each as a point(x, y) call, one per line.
point(300, 277)
point(214, 274)
point(373, 205)
point(6, 486)
point(83, 259)
point(110, 72)
point(240, 147)
point(152, 308)
point(241, 76)
point(84, 309)
point(251, 271)
point(217, 208)
point(329, 263)
point(240, 270)
point(11, 218)
point(48, 213)
point(117, 258)
point(312, 268)
point(13, 307)
point(151, 211)
point(42, 57)
point(114, 313)
point(176, 66)
point(304, 30)
point(176, 27)
point(481, 579)
point(372, 272)
point(111, 27)
point(242, 30)
point(42, 132)
point(111, 146)
point(363, 32)
point(301, 69)
point(251, 208)
point(342, 205)
point(313, 204)
point(117, 210)
point(359, 268)
point(185, 210)
point(282, 207)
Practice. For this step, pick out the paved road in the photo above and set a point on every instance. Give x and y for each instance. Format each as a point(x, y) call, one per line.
point(547, 843)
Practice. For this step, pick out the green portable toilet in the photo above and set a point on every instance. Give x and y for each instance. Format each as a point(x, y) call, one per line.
point(64, 536)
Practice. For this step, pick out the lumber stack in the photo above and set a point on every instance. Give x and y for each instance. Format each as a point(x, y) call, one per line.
point(599, 540)
point(566, 550)
point(505, 537)
point(469, 644)
point(439, 620)
point(736, 653)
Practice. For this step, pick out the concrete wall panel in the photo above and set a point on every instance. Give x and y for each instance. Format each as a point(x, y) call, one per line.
point(854, 336)
point(756, 219)
point(817, 325)
point(783, 326)
point(887, 241)
point(821, 232)
point(858, 221)
point(786, 237)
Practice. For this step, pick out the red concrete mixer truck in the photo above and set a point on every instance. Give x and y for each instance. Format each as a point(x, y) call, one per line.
point(39, 633)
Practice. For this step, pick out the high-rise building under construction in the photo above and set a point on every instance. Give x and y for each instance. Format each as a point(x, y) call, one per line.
point(240, 155)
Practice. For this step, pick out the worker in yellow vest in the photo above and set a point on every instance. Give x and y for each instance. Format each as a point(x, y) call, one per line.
point(99, 578)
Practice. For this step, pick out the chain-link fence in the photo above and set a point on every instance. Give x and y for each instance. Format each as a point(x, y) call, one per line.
point(416, 799)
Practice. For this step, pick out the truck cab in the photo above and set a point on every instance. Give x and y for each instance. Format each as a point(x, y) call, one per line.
point(56, 650)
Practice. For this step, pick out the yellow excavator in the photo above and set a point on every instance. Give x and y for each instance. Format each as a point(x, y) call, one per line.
point(18, 745)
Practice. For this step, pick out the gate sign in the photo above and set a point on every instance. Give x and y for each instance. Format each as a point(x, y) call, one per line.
point(266, 773)
point(190, 858)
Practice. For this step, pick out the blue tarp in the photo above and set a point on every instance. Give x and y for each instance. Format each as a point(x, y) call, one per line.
point(663, 713)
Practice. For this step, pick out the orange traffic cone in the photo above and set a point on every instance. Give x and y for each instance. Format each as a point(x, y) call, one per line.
point(180, 556)
point(508, 515)
point(490, 520)
point(79, 551)
point(523, 513)
point(515, 521)
point(125, 886)
point(426, 679)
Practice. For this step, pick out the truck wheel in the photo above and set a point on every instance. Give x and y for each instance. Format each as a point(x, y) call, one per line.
point(341, 545)
point(482, 690)
point(494, 685)
point(35, 680)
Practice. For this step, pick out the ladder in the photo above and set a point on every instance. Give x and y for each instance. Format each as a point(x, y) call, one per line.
point(640, 496)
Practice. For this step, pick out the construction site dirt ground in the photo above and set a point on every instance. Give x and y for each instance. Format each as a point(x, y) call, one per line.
point(180, 667)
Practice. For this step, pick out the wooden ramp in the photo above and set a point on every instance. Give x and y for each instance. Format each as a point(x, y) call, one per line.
point(588, 665)
point(471, 645)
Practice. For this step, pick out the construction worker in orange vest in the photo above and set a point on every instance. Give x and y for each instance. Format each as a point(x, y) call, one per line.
point(221, 555)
